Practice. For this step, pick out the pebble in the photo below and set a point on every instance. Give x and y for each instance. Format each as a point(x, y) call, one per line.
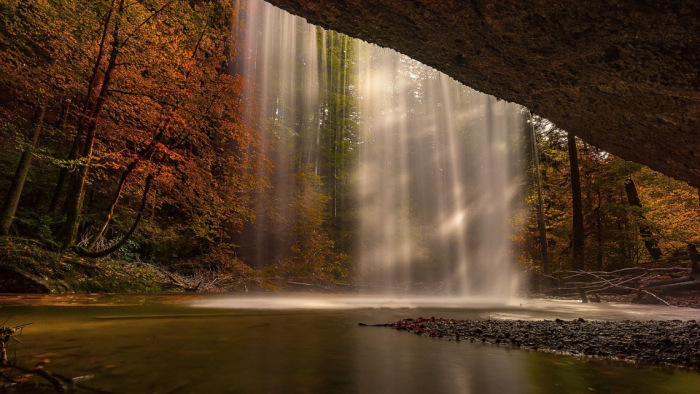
point(671, 342)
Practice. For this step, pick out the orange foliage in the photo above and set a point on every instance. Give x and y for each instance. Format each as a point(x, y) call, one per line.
point(171, 109)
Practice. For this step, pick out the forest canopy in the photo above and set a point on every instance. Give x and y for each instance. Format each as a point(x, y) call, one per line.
point(131, 115)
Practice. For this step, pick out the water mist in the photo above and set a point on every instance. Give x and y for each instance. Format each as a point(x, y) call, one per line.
point(438, 164)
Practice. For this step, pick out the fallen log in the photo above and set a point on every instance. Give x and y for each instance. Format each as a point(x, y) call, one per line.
point(640, 290)
point(657, 283)
point(605, 282)
point(308, 284)
point(16, 375)
point(683, 286)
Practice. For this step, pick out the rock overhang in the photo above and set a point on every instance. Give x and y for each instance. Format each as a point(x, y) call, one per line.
point(622, 74)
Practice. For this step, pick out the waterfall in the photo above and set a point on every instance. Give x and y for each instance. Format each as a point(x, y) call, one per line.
point(436, 164)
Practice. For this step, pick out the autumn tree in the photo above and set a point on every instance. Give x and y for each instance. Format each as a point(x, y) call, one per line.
point(159, 139)
point(96, 95)
point(541, 226)
point(617, 232)
point(179, 112)
point(577, 205)
point(39, 68)
point(644, 229)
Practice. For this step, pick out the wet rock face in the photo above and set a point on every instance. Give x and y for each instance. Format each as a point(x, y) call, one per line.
point(622, 75)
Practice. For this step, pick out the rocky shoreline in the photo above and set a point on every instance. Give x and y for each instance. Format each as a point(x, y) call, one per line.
point(674, 343)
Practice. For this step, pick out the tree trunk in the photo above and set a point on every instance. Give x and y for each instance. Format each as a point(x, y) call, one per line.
point(645, 231)
point(577, 204)
point(89, 104)
point(93, 92)
point(599, 234)
point(129, 233)
point(117, 194)
point(540, 204)
point(145, 152)
point(63, 175)
point(63, 172)
point(76, 187)
point(694, 260)
point(12, 200)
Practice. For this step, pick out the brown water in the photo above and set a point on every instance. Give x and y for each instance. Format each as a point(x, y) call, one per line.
point(311, 343)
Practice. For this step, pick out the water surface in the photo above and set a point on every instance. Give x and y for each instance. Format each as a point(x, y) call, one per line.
point(312, 343)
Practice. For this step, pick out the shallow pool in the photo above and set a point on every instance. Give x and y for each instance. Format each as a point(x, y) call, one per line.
point(287, 343)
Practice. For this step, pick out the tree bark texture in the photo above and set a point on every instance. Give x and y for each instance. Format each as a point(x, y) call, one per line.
point(13, 195)
point(63, 172)
point(599, 234)
point(540, 204)
point(577, 204)
point(694, 260)
point(644, 230)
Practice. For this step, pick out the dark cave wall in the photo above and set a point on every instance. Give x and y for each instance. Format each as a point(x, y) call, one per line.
point(622, 75)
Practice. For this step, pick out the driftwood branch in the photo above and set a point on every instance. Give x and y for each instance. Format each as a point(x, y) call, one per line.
point(688, 284)
point(308, 284)
point(16, 375)
point(643, 281)
point(632, 288)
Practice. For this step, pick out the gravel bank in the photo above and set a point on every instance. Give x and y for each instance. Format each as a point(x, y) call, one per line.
point(674, 342)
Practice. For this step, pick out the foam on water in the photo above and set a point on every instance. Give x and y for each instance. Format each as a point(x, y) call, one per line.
point(453, 307)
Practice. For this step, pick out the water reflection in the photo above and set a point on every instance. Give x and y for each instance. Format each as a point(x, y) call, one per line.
point(184, 344)
point(404, 363)
point(457, 307)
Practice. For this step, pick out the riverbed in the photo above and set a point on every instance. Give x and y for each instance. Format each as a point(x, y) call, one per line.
point(312, 343)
